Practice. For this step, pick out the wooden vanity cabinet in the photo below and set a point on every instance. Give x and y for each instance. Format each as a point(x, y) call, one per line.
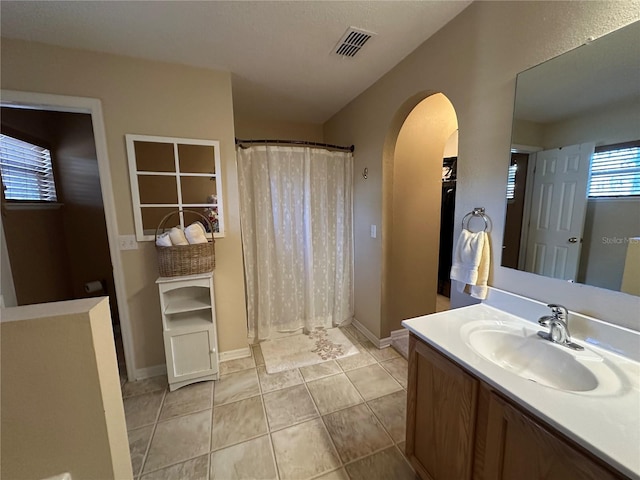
point(518, 447)
point(459, 428)
point(441, 415)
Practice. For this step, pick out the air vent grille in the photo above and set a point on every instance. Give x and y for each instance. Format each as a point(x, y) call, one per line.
point(352, 42)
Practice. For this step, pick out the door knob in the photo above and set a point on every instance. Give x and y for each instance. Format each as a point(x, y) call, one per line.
point(573, 240)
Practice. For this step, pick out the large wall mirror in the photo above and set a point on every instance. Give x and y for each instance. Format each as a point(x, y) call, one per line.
point(573, 194)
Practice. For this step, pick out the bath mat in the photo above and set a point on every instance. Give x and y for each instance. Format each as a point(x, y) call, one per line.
point(301, 350)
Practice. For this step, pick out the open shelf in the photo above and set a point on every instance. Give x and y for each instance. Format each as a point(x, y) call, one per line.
point(187, 299)
point(180, 305)
point(189, 320)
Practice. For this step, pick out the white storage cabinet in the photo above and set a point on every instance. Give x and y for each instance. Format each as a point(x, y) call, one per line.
point(189, 328)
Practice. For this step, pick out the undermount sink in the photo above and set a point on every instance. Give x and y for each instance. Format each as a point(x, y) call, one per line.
point(521, 351)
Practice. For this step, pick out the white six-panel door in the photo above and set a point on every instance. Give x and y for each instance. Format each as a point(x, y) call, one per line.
point(558, 207)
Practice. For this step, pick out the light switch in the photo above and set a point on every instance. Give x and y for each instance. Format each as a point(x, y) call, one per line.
point(373, 231)
point(127, 242)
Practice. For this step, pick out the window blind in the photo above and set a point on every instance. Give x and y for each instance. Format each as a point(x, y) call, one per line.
point(26, 171)
point(511, 182)
point(615, 172)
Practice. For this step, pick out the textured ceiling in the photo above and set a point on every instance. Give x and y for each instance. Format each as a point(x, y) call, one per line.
point(280, 53)
point(603, 73)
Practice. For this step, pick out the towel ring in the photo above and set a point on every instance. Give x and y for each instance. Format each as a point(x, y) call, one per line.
point(476, 212)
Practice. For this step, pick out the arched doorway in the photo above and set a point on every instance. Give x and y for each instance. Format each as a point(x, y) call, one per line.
point(412, 189)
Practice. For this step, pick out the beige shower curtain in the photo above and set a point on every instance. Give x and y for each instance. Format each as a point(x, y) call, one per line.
point(297, 238)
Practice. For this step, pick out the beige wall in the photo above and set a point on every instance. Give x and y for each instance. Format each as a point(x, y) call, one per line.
point(62, 409)
point(474, 61)
point(36, 243)
point(608, 225)
point(7, 288)
point(149, 98)
point(255, 129)
point(414, 228)
point(605, 126)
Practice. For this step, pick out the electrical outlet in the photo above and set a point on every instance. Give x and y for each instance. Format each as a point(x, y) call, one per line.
point(127, 242)
point(373, 231)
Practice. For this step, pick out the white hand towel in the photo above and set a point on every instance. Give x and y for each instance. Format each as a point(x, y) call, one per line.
point(164, 240)
point(470, 265)
point(177, 236)
point(195, 233)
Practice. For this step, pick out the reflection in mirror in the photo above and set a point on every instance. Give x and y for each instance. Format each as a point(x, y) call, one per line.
point(573, 193)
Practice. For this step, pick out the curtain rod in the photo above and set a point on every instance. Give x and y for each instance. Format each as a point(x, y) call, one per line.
point(240, 141)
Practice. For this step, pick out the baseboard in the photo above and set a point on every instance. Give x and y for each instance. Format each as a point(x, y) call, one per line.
point(398, 334)
point(378, 342)
point(235, 354)
point(157, 370)
point(148, 372)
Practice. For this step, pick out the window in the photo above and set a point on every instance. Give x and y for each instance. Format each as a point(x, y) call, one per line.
point(511, 181)
point(615, 171)
point(26, 171)
point(170, 174)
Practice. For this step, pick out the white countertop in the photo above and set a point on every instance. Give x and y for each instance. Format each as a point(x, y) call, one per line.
point(606, 423)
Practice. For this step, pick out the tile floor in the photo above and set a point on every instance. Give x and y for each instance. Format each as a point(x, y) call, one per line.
point(338, 420)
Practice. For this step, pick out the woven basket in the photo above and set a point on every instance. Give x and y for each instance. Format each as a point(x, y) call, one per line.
point(180, 260)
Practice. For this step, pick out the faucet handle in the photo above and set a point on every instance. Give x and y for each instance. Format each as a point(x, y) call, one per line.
point(559, 311)
point(546, 320)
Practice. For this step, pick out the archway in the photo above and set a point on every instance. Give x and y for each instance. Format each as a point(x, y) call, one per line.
point(412, 180)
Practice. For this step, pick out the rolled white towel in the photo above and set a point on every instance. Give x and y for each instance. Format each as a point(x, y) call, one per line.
point(164, 240)
point(177, 236)
point(195, 233)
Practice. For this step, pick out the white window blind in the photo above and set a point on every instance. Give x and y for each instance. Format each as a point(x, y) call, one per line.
point(511, 181)
point(26, 171)
point(615, 172)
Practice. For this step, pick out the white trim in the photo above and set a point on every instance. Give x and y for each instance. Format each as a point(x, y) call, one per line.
point(517, 148)
point(398, 334)
point(235, 354)
point(92, 106)
point(130, 139)
point(32, 206)
point(148, 372)
point(379, 343)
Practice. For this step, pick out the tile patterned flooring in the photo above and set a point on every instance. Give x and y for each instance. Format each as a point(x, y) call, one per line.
point(338, 420)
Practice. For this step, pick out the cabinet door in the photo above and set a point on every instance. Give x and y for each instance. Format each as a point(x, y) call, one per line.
point(441, 415)
point(190, 354)
point(519, 448)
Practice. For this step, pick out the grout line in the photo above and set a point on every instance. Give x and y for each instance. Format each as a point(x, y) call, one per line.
point(176, 463)
point(266, 419)
point(153, 432)
point(273, 450)
point(213, 396)
point(270, 432)
point(335, 449)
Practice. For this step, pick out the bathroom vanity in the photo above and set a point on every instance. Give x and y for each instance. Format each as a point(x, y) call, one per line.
point(489, 399)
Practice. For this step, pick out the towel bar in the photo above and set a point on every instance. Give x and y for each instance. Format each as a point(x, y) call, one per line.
point(476, 212)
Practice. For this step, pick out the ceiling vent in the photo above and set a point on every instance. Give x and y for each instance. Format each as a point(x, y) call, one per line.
point(352, 42)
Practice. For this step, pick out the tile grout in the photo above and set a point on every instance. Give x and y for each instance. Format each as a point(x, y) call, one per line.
point(153, 432)
point(270, 431)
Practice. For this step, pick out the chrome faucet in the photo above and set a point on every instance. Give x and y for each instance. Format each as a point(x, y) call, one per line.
point(558, 323)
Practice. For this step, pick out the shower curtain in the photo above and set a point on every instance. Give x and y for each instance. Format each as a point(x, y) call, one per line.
point(297, 239)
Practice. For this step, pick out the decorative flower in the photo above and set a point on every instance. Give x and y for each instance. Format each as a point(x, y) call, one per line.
point(212, 213)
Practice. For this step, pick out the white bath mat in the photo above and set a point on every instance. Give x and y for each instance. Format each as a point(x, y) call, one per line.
point(301, 350)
